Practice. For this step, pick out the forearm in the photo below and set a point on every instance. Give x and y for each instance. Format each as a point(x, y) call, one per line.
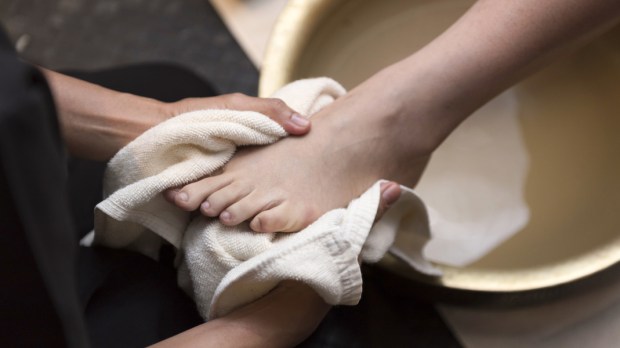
point(495, 44)
point(96, 122)
point(282, 318)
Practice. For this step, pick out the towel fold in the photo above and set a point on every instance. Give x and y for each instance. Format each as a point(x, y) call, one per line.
point(223, 267)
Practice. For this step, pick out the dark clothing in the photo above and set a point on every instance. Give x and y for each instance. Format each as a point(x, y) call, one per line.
point(129, 299)
point(112, 298)
point(39, 304)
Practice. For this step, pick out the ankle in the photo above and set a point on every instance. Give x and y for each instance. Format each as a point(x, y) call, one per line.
point(418, 112)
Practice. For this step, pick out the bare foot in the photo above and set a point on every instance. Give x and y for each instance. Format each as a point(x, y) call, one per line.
point(286, 186)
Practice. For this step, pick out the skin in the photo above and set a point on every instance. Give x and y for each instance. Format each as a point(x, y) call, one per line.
point(377, 132)
point(283, 318)
point(96, 122)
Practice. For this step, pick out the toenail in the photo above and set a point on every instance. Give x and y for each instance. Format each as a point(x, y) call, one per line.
point(299, 120)
point(225, 216)
point(205, 205)
point(183, 196)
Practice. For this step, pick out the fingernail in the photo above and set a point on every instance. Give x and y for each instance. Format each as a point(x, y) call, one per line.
point(183, 196)
point(225, 216)
point(298, 120)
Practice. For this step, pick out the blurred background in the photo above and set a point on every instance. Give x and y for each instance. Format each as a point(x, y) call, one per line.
point(94, 34)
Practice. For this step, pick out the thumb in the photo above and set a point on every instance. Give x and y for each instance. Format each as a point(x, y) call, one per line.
point(390, 192)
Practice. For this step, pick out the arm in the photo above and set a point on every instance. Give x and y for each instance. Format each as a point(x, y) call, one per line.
point(282, 318)
point(96, 122)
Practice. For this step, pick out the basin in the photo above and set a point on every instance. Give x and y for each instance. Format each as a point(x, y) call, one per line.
point(569, 118)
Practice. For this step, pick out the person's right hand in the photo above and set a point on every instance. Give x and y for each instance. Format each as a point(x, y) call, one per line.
point(292, 122)
point(96, 122)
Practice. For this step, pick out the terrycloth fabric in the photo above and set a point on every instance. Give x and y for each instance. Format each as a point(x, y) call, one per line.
point(225, 267)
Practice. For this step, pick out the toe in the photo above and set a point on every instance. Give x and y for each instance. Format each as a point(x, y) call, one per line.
point(283, 218)
point(192, 195)
point(170, 194)
point(220, 200)
point(246, 208)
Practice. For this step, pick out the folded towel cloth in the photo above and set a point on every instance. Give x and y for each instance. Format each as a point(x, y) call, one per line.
point(225, 267)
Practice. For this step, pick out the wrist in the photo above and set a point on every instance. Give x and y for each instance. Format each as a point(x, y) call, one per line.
point(96, 122)
point(125, 119)
point(140, 113)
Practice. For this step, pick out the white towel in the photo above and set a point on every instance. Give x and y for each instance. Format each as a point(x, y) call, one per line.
point(225, 267)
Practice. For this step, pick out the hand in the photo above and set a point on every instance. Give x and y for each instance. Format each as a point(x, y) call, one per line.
point(390, 193)
point(274, 108)
point(97, 122)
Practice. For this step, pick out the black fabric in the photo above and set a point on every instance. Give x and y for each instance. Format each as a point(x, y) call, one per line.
point(39, 304)
point(162, 81)
point(388, 315)
point(128, 300)
point(125, 293)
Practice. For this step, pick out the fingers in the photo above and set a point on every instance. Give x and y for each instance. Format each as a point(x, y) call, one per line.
point(390, 192)
point(274, 108)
